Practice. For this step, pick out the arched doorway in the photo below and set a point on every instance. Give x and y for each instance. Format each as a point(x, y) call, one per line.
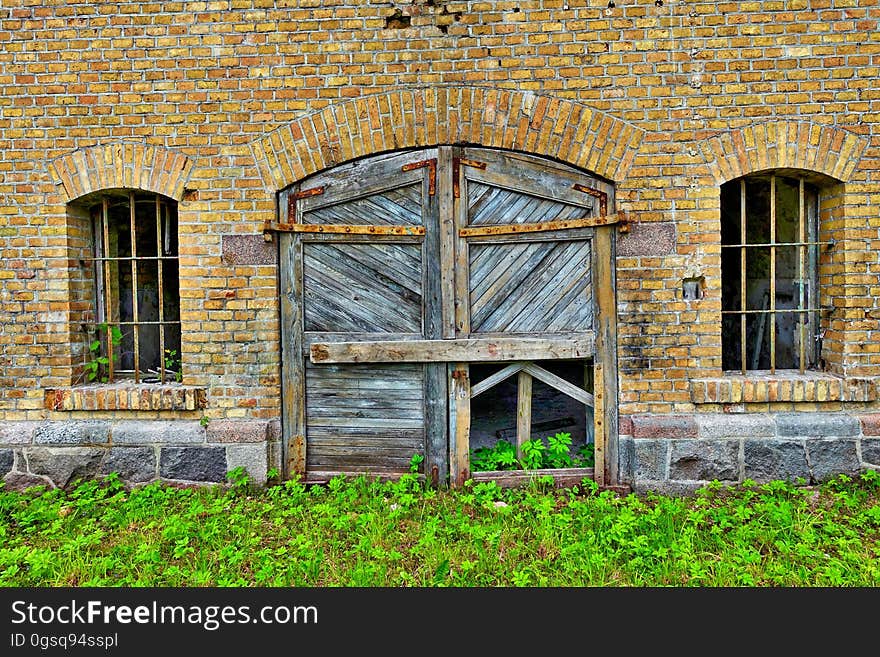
point(413, 282)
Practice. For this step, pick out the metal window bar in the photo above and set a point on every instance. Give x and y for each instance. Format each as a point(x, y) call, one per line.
point(108, 294)
point(134, 286)
point(801, 280)
point(742, 275)
point(772, 274)
point(806, 295)
point(160, 287)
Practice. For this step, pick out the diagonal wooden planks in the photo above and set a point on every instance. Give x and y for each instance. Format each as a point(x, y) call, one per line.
point(488, 205)
point(531, 287)
point(402, 205)
point(362, 287)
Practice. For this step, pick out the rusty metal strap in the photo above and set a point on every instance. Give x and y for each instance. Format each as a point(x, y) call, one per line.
point(345, 229)
point(542, 226)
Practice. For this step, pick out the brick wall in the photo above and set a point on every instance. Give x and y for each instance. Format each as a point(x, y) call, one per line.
point(220, 104)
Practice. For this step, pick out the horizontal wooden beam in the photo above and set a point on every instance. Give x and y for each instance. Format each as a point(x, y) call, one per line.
point(562, 477)
point(460, 350)
point(541, 226)
point(344, 229)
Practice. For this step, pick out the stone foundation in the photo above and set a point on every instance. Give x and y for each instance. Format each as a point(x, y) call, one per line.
point(679, 454)
point(663, 454)
point(57, 454)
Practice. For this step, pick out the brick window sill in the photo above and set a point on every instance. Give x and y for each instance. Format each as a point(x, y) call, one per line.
point(764, 387)
point(127, 396)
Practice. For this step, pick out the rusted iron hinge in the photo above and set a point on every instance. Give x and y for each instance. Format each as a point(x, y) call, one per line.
point(595, 193)
point(622, 224)
point(457, 163)
point(296, 196)
point(432, 172)
point(292, 198)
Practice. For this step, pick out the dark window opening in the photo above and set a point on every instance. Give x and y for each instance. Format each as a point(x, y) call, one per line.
point(769, 274)
point(138, 290)
point(494, 412)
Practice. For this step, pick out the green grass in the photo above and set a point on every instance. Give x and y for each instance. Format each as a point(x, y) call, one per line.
point(360, 532)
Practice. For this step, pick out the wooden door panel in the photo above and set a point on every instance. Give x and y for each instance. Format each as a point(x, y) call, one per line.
point(394, 174)
point(407, 267)
point(490, 173)
point(371, 416)
point(536, 287)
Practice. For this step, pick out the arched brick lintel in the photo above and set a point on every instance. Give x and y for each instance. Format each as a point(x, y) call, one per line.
point(412, 118)
point(783, 144)
point(122, 165)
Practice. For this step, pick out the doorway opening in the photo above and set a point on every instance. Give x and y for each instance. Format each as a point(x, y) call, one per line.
point(494, 412)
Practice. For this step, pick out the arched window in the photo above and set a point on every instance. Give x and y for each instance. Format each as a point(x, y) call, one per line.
point(137, 287)
point(769, 273)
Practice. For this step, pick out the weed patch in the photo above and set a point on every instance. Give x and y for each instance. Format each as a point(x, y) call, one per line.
point(359, 531)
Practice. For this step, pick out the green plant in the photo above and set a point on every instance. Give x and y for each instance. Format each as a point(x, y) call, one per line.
point(500, 457)
point(238, 478)
point(98, 365)
point(586, 456)
point(172, 364)
point(533, 452)
point(537, 454)
point(203, 421)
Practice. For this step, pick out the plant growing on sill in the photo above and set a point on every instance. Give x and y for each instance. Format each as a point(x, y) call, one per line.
point(98, 365)
point(537, 455)
point(172, 364)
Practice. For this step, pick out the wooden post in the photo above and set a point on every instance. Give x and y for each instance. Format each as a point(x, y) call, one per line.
point(460, 424)
point(599, 424)
point(523, 411)
point(605, 367)
point(292, 361)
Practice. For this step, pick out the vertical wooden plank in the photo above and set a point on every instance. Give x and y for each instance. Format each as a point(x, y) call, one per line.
point(460, 424)
point(292, 363)
point(523, 411)
point(590, 416)
point(605, 367)
point(447, 239)
point(462, 270)
point(434, 327)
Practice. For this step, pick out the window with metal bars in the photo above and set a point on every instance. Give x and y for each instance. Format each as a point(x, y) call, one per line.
point(769, 274)
point(138, 292)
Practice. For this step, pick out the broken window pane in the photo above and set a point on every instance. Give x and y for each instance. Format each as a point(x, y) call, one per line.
point(769, 273)
point(136, 277)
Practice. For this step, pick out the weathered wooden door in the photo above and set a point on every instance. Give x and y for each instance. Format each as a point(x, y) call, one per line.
point(355, 269)
point(401, 270)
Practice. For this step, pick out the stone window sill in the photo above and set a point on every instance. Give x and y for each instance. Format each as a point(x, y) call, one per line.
point(764, 387)
point(127, 396)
